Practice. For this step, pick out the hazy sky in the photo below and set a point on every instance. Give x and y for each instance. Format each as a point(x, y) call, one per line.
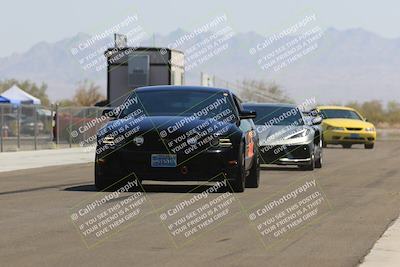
point(24, 23)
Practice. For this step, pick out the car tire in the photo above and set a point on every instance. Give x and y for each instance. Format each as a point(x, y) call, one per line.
point(99, 182)
point(253, 180)
point(369, 146)
point(318, 161)
point(310, 166)
point(239, 182)
point(346, 145)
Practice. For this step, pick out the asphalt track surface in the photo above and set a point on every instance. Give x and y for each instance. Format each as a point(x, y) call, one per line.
point(362, 186)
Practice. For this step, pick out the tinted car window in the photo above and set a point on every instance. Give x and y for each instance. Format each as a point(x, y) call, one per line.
point(181, 103)
point(275, 115)
point(339, 114)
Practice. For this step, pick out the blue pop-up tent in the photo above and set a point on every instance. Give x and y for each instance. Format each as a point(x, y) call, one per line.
point(4, 99)
point(16, 95)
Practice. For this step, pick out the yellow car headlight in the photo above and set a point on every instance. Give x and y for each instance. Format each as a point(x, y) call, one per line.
point(333, 128)
point(370, 129)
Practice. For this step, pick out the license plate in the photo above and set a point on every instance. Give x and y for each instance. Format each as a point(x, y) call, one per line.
point(354, 136)
point(163, 160)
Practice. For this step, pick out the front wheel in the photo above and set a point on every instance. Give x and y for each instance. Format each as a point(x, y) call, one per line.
point(99, 181)
point(238, 184)
point(369, 146)
point(318, 161)
point(347, 145)
point(253, 180)
point(310, 166)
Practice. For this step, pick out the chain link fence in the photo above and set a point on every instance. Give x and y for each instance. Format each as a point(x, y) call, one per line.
point(78, 125)
point(25, 127)
point(33, 127)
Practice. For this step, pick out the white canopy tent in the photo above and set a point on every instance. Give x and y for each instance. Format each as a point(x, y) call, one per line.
point(18, 96)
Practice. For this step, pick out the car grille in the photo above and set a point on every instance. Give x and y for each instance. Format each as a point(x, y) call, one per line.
point(353, 138)
point(152, 142)
point(354, 129)
point(272, 154)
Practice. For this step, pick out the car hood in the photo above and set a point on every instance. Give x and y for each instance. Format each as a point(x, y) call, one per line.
point(346, 123)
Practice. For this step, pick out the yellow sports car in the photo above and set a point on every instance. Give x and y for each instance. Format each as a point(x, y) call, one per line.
point(345, 126)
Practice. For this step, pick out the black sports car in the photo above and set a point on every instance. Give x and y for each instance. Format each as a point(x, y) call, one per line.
point(286, 137)
point(179, 133)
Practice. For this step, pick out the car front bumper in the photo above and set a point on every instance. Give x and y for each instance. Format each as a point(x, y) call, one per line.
point(205, 166)
point(348, 137)
point(287, 154)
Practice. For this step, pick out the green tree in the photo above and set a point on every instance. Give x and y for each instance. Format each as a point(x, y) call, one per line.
point(355, 105)
point(65, 103)
point(373, 110)
point(261, 91)
point(393, 112)
point(29, 87)
point(87, 94)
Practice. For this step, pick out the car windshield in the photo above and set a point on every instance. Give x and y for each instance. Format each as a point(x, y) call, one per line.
point(276, 115)
point(339, 114)
point(180, 103)
point(308, 119)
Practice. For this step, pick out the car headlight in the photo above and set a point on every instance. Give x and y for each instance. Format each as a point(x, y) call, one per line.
point(333, 128)
point(370, 129)
point(221, 142)
point(109, 140)
point(301, 133)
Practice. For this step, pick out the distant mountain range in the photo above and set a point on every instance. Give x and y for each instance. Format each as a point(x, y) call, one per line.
point(347, 65)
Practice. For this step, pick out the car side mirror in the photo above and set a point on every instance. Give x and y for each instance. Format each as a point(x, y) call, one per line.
point(314, 113)
point(247, 114)
point(109, 113)
point(316, 121)
point(365, 119)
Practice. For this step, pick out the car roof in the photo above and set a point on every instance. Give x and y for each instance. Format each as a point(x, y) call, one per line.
point(335, 107)
point(182, 87)
point(281, 105)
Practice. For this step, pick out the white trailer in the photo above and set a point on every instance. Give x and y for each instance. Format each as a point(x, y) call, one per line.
point(129, 68)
